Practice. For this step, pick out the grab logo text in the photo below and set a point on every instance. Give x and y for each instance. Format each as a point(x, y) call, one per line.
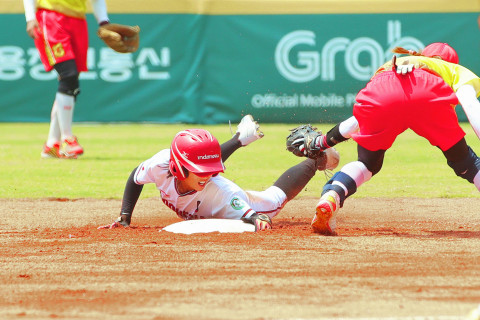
point(311, 64)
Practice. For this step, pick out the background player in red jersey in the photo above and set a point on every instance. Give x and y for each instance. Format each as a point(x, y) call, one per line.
point(60, 32)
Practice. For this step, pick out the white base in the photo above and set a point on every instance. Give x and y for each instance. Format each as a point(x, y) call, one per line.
point(210, 225)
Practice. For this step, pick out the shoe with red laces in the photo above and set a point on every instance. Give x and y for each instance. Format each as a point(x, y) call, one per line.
point(71, 148)
point(324, 221)
point(51, 152)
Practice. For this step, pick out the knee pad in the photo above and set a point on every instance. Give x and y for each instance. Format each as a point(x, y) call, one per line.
point(344, 179)
point(68, 78)
point(468, 167)
point(69, 86)
point(374, 166)
point(373, 160)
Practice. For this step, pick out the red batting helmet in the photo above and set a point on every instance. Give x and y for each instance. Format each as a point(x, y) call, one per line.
point(442, 50)
point(196, 150)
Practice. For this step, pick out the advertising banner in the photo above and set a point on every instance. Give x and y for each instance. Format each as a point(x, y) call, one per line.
point(206, 69)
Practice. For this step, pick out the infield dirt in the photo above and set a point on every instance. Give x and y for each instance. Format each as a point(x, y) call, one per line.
point(393, 258)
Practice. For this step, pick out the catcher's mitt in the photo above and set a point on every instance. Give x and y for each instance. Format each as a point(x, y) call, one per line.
point(119, 37)
point(301, 142)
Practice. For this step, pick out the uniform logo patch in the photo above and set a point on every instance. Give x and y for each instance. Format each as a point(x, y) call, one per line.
point(237, 204)
point(58, 50)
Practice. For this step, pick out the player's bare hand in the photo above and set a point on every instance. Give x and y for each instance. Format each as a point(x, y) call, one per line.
point(261, 225)
point(260, 221)
point(122, 221)
point(32, 28)
point(113, 225)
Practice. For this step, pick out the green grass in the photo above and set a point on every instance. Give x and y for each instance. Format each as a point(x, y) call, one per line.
point(412, 167)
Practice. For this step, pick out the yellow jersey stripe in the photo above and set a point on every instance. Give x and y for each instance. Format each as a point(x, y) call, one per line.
point(240, 7)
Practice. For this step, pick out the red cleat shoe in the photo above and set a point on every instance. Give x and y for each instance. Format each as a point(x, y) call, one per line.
point(71, 148)
point(51, 152)
point(324, 221)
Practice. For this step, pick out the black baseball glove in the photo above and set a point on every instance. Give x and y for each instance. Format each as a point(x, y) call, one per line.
point(303, 142)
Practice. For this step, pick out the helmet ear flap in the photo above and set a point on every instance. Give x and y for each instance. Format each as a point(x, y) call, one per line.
point(176, 171)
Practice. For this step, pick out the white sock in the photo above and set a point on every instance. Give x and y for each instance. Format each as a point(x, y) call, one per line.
point(347, 127)
point(65, 105)
point(54, 131)
point(357, 171)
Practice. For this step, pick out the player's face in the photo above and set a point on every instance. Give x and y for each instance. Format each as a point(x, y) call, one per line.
point(194, 182)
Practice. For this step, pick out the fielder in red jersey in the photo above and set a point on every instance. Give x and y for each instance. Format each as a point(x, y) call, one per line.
point(418, 92)
point(60, 33)
point(389, 105)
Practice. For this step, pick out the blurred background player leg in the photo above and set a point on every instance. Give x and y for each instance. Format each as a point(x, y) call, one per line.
point(51, 148)
point(61, 38)
point(68, 89)
point(61, 143)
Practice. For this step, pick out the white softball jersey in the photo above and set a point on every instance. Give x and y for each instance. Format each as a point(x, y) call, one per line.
point(220, 199)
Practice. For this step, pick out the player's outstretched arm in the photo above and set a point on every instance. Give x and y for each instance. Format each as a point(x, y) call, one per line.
point(248, 131)
point(130, 197)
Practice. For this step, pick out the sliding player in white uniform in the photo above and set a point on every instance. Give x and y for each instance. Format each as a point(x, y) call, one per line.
point(187, 176)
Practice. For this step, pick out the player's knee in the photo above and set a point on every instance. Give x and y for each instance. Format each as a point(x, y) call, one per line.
point(373, 160)
point(374, 168)
point(69, 86)
point(68, 78)
point(468, 167)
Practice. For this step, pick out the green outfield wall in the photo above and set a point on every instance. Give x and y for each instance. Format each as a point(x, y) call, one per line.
point(209, 62)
